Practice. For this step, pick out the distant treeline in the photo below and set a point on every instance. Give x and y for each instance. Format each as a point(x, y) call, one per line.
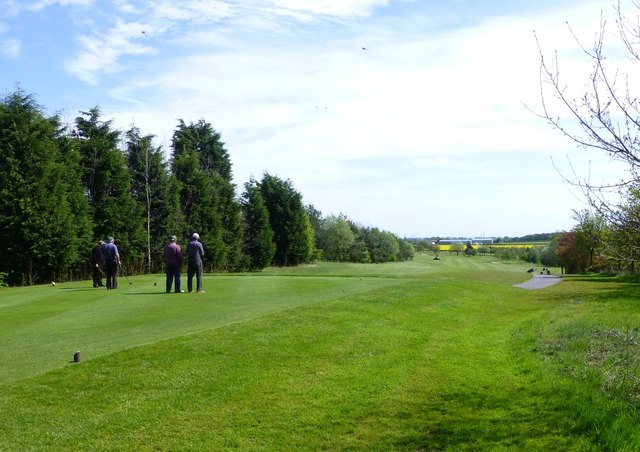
point(531, 238)
point(541, 237)
point(63, 188)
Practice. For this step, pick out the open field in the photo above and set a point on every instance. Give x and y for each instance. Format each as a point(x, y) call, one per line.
point(421, 355)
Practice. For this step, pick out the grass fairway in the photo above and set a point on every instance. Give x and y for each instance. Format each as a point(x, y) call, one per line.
point(421, 355)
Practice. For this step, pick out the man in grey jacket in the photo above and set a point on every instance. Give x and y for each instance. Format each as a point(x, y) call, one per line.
point(111, 262)
point(195, 251)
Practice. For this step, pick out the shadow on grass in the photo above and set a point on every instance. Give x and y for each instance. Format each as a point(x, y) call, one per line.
point(626, 292)
point(482, 420)
point(599, 289)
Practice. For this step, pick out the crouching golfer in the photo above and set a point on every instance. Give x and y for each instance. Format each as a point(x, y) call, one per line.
point(195, 251)
point(111, 262)
point(173, 262)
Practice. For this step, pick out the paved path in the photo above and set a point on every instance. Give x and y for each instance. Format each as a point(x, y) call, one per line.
point(539, 282)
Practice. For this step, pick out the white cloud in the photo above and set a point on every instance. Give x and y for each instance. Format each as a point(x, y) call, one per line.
point(10, 47)
point(102, 50)
point(9, 9)
point(199, 11)
point(419, 96)
point(42, 4)
point(342, 8)
point(126, 7)
point(101, 53)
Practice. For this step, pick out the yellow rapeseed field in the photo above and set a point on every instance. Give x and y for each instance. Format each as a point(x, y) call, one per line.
point(448, 246)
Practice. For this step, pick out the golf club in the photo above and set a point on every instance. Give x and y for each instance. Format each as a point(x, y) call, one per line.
point(124, 274)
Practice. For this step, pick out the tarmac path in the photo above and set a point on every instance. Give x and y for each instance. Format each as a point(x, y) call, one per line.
point(539, 282)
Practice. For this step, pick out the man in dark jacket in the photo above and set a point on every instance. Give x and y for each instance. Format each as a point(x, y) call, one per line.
point(96, 263)
point(173, 262)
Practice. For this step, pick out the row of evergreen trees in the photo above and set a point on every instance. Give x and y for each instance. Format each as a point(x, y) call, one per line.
point(64, 188)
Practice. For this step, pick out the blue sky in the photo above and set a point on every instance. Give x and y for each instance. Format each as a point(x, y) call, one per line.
point(424, 133)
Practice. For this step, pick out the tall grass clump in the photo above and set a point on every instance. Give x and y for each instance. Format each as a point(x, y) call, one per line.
point(591, 335)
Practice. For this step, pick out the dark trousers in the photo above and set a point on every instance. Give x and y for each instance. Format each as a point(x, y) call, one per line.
point(111, 269)
point(97, 277)
point(194, 268)
point(173, 274)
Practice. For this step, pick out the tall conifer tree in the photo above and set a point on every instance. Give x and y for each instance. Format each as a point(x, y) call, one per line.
point(198, 152)
point(258, 236)
point(151, 187)
point(292, 232)
point(108, 184)
point(42, 213)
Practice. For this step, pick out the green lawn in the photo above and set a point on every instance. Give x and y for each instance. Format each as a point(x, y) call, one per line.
point(421, 355)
